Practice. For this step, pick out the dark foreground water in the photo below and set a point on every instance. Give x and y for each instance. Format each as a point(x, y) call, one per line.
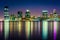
point(15, 36)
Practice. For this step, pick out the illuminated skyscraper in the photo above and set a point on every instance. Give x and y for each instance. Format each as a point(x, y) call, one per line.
point(19, 14)
point(6, 13)
point(6, 22)
point(45, 25)
point(27, 23)
point(27, 15)
point(45, 13)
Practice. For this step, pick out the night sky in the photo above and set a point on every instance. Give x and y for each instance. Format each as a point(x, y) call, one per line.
point(35, 6)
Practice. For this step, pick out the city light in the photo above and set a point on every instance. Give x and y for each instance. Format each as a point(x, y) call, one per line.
point(11, 26)
point(39, 27)
point(27, 10)
point(44, 29)
point(1, 25)
point(29, 27)
point(19, 27)
point(55, 29)
point(6, 29)
point(36, 25)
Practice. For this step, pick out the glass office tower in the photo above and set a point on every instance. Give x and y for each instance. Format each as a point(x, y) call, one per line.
point(27, 14)
point(44, 25)
point(45, 13)
point(27, 23)
point(6, 22)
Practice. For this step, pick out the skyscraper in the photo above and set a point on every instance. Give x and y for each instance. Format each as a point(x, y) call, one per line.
point(44, 25)
point(45, 13)
point(27, 23)
point(27, 14)
point(6, 22)
point(6, 13)
point(19, 14)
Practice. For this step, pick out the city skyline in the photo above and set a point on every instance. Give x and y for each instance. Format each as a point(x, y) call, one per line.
point(29, 19)
point(31, 16)
point(28, 26)
point(35, 6)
